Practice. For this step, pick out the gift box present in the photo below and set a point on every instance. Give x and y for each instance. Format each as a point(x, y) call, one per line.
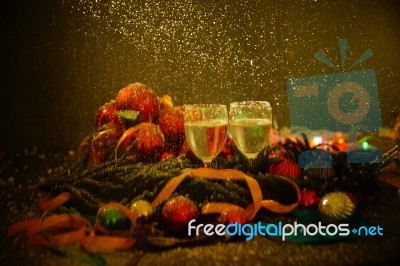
point(345, 102)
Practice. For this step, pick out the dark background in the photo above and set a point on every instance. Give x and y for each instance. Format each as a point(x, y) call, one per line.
point(61, 60)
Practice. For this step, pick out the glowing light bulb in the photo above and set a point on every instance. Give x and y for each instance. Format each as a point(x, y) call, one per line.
point(364, 145)
point(317, 140)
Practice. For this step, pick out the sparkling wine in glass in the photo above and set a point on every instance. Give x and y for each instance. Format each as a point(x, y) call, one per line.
point(250, 124)
point(206, 127)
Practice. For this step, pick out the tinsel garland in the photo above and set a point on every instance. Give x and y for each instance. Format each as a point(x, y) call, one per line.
point(125, 181)
point(79, 198)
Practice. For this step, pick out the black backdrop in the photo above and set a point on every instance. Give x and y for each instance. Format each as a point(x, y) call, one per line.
point(61, 60)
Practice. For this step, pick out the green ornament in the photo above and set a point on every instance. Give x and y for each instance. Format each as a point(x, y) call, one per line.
point(143, 208)
point(336, 207)
point(130, 117)
point(113, 219)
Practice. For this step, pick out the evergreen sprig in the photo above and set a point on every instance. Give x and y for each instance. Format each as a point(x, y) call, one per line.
point(123, 182)
point(126, 179)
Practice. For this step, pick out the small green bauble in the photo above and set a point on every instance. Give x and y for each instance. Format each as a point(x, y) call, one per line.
point(336, 207)
point(113, 219)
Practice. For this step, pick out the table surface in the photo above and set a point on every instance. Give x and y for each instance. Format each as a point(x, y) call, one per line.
point(19, 201)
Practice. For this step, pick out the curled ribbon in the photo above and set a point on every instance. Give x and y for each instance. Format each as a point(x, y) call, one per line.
point(126, 134)
point(230, 174)
point(42, 231)
point(77, 229)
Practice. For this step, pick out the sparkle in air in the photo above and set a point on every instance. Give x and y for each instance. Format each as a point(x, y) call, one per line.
point(207, 48)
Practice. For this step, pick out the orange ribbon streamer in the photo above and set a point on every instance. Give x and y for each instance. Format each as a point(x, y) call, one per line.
point(126, 134)
point(229, 174)
point(47, 204)
point(217, 207)
point(76, 229)
point(42, 231)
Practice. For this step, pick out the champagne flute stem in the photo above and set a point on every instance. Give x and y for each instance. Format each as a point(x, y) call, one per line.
point(207, 164)
point(251, 163)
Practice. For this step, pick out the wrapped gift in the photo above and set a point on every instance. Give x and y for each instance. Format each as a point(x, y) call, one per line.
point(345, 102)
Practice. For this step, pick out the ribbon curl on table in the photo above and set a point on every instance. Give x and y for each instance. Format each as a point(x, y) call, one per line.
point(229, 174)
point(40, 231)
point(43, 231)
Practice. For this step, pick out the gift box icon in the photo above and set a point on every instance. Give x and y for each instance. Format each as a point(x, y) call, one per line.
point(346, 102)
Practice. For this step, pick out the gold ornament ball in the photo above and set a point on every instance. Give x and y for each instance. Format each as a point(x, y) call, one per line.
point(336, 207)
point(143, 208)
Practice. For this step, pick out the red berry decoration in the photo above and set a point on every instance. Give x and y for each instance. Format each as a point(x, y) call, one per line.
point(107, 114)
point(233, 215)
point(308, 198)
point(172, 126)
point(177, 213)
point(139, 97)
point(287, 168)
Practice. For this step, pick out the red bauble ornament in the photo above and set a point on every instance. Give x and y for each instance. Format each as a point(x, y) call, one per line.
point(139, 97)
point(144, 141)
point(233, 215)
point(84, 146)
point(177, 213)
point(172, 126)
point(308, 198)
point(103, 146)
point(396, 128)
point(107, 114)
point(287, 168)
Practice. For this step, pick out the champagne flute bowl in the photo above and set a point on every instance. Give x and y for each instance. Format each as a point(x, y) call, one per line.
point(206, 127)
point(250, 124)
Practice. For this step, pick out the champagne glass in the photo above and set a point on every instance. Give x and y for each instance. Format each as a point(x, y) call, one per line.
point(206, 127)
point(250, 124)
